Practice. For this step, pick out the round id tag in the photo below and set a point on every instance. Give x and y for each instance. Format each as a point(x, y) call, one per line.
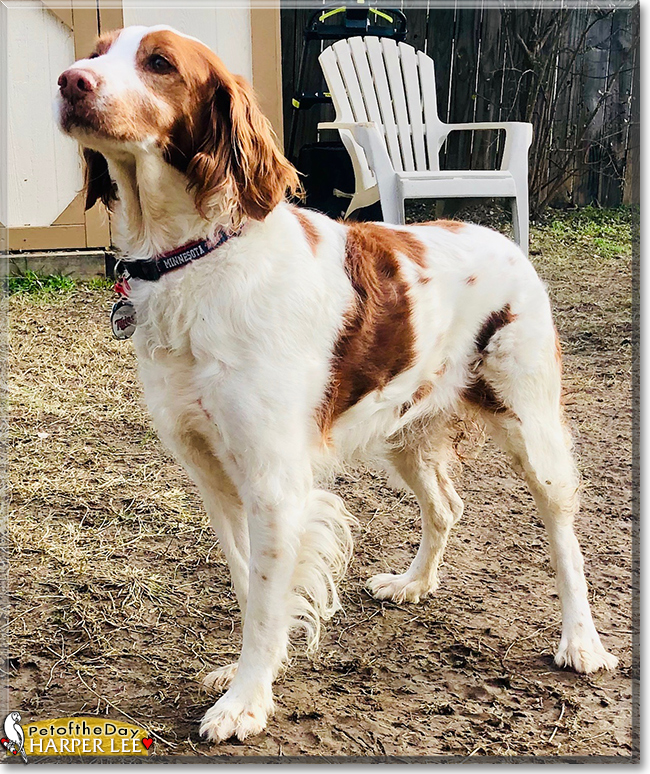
point(123, 319)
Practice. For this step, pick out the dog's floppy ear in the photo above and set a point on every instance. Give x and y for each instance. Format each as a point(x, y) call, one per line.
point(97, 181)
point(262, 172)
point(229, 148)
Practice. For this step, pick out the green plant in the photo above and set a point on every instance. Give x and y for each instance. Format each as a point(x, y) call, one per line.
point(33, 283)
point(605, 231)
point(101, 283)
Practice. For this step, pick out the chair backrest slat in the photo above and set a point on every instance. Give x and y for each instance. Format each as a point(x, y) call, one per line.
point(410, 71)
point(362, 66)
point(384, 98)
point(330, 64)
point(398, 92)
point(351, 80)
point(430, 104)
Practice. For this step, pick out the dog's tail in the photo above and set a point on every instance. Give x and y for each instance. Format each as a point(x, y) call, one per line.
point(323, 556)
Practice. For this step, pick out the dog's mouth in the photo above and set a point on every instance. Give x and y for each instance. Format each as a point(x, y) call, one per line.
point(79, 115)
point(91, 126)
point(94, 117)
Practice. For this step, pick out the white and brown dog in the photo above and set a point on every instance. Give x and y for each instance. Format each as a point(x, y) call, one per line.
point(299, 342)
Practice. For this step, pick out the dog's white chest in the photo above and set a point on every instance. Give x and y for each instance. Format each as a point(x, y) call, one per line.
point(178, 309)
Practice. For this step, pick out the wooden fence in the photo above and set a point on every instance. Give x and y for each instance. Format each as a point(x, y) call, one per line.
point(572, 72)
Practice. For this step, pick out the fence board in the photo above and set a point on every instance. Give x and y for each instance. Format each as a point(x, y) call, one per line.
point(486, 144)
point(440, 49)
point(632, 185)
point(417, 29)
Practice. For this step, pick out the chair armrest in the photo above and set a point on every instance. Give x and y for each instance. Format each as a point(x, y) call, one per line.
point(519, 136)
point(349, 125)
point(367, 135)
point(512, 125)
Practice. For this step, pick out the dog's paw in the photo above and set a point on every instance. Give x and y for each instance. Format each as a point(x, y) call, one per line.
point(398, 588)
point(235, 716)
point(584, 654)
point(220, 679)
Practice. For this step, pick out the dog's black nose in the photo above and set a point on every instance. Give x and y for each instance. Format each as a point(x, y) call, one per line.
point(76, 84)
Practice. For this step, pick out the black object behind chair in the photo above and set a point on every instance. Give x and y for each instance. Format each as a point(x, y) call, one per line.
point(336, 23)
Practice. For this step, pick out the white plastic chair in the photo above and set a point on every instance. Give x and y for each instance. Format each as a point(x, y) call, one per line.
point(384, 94)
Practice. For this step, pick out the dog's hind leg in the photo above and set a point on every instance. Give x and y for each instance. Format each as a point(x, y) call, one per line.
point(420, 458)
point(521, 405)
point(540, 450)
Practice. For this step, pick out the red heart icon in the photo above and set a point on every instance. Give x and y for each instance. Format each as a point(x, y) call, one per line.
point(147, 742)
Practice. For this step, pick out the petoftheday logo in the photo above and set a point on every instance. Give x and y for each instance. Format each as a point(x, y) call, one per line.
point(76, 736)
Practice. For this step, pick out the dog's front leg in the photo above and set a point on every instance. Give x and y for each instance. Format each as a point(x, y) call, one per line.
point(275, 508)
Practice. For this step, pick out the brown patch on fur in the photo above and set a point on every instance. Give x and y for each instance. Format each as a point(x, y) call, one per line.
point(480, 392)
point(376, 341)
point(104, 42)
point(450, 225)
point(471, 280)
point(311, 233)
point(408, 244)
point(219, 138)
point(422, 392)
point(395, 239)
point(494, 322)
point(97, 180)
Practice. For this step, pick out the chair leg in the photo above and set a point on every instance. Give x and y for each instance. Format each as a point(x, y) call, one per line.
point(392, 208)
point(520, 219)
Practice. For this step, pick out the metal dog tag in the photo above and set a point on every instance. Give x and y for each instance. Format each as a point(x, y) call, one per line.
point(123, 320)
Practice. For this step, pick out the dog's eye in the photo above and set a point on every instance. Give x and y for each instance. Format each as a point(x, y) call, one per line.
point(94, 55)
point(159, 64)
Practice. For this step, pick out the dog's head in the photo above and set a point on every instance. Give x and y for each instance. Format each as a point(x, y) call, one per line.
point(152, 87)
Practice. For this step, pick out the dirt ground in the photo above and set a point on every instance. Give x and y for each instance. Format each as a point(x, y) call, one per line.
point(120, 596)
